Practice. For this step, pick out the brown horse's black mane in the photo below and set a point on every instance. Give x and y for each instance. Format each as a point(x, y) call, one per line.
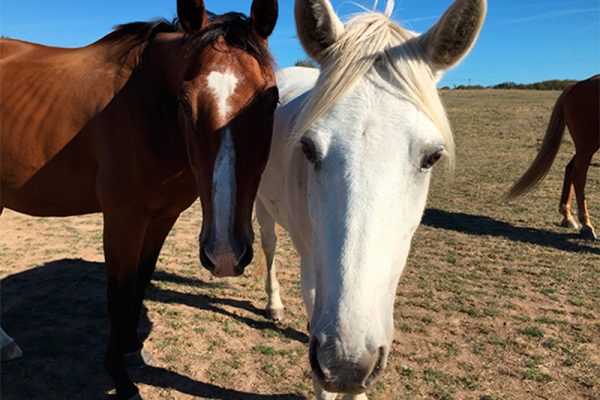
point(236, 30)
point(233, 27)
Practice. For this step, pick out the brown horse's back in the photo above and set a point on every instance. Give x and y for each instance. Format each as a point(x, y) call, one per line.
point(582, 113)
point(48, 101)
point(10, 47)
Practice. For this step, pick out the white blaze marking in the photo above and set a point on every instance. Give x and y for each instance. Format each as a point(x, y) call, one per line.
point(223, 86)
point(223, 192)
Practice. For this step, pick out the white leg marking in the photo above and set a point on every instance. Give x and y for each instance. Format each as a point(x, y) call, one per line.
point(223, 193)
point(223, 86)
point(9, 348)
point(268, 239)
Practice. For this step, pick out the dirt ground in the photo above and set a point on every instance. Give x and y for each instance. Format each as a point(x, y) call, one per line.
point(497, 301)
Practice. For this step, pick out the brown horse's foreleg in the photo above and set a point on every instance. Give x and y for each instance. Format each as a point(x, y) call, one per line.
point(123, 239)
point(566, 197)
point(582, 164)
point(155, 236)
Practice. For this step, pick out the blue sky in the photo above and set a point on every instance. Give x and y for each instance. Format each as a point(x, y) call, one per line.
point(522, 41)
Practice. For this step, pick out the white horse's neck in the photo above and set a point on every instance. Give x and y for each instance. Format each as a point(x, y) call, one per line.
point(284, 171)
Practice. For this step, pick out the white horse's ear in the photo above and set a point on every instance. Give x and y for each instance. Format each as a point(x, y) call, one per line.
point(318, 26)
point(448, 41)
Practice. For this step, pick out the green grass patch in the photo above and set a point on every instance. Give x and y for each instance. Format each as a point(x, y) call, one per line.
point(532, 331)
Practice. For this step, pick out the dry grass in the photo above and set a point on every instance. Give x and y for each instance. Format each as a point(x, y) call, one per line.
point(497, 301)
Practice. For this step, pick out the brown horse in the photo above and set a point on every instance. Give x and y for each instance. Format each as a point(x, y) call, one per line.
point(578, 108)
point(137, 125)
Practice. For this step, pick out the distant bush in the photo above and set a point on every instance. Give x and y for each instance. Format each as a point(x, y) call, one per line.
point(306, 63)
point(506, 85)
point(469, 87)
point(554, 84)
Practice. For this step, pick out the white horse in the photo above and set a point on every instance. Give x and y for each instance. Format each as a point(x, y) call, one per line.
point(349, 171)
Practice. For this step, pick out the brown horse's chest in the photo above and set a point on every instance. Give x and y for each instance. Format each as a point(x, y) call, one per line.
point(175, 194)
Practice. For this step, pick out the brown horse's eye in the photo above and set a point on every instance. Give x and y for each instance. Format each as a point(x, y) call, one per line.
point(431, 159)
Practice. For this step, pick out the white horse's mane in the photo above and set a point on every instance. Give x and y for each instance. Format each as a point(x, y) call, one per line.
point(373, 40)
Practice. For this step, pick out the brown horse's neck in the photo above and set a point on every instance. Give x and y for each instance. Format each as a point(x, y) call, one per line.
point(155, 84)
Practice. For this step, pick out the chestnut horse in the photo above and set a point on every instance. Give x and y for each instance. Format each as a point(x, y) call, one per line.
point(578, 108)
point(137, 125)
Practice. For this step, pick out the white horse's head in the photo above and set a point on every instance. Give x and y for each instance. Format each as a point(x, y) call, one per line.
point(372, 128)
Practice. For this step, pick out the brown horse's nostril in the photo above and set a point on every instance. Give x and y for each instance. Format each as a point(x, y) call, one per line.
point(245, 259)
point(205, 260)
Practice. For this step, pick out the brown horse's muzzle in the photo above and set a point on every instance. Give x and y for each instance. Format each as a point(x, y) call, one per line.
point(226, 263)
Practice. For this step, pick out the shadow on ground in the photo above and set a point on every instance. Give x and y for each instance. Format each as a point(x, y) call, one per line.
point(210, 303)
point(57, 314)
point(485, 226)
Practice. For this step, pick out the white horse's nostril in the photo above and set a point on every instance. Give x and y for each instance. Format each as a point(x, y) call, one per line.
point(322, 373)
point(378, 367)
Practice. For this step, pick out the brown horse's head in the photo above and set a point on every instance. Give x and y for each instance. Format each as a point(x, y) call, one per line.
point(226, 106)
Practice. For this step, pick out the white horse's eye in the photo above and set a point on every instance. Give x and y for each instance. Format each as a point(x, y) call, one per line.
point(310, 152)
point(431, 159)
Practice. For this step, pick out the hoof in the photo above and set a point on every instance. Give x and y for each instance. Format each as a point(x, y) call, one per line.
point(11, 351)
point(570, 223)
point(587, 232)
point(276, 314)
point(138, 359)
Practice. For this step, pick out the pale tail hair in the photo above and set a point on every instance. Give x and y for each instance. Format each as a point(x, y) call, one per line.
point(547, 153)
point(373, 40)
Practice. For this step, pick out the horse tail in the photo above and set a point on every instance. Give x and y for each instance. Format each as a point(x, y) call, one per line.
point(547, 153)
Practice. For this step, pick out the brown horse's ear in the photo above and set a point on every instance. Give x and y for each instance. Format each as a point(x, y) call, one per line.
point(447, 42)
point(263, 17)
point(318, 26)
point(192, 15)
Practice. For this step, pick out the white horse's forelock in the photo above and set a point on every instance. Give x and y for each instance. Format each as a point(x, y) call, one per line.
point(373, 40)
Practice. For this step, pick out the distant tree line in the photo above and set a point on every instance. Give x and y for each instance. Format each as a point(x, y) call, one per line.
point(306, 63)
point(554, 84)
